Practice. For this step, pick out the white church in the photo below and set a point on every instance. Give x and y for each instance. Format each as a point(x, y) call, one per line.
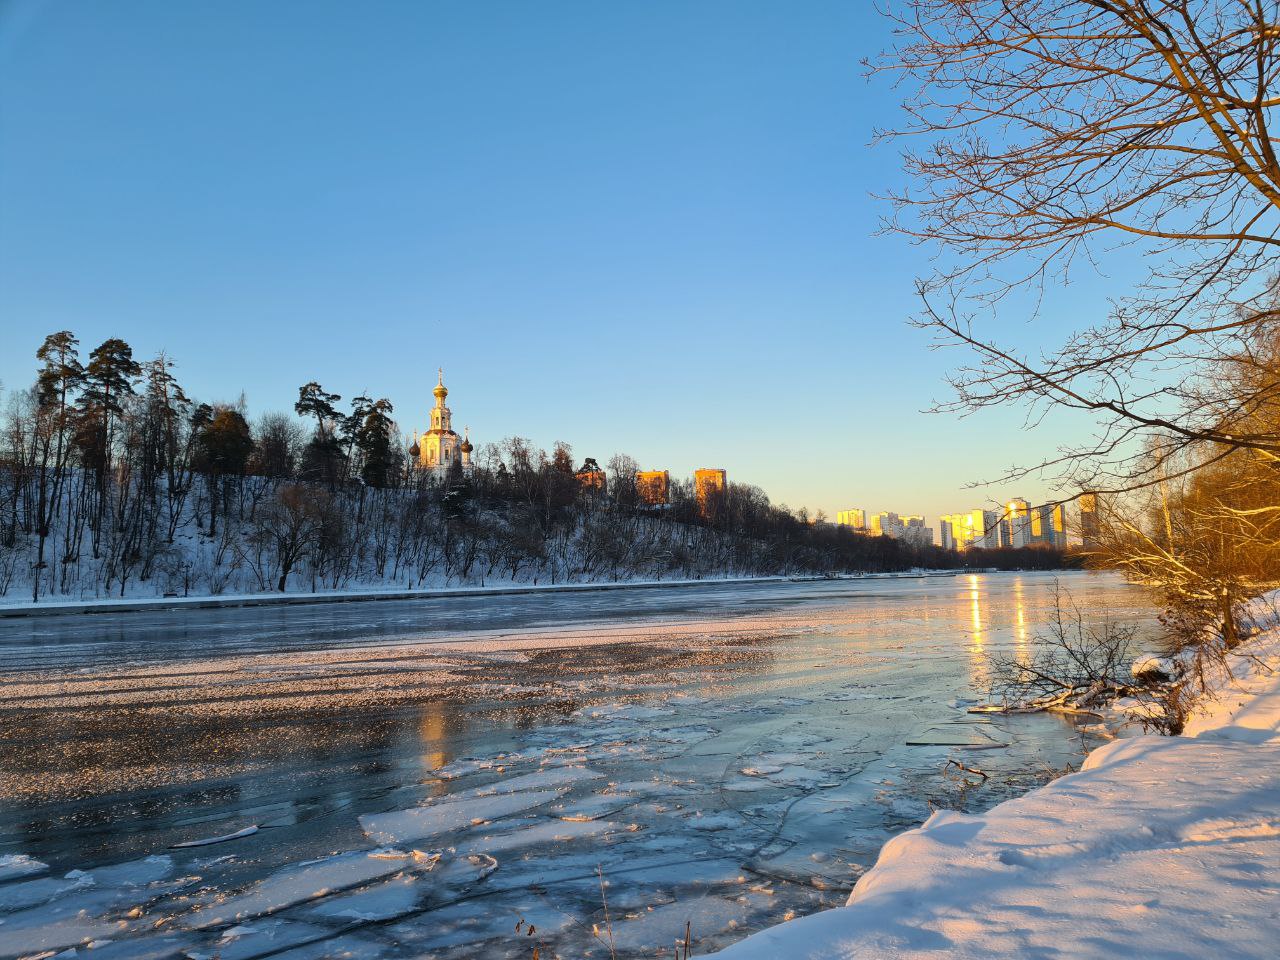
point(440, 449)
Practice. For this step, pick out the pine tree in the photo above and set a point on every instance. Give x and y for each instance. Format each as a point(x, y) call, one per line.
point(322, 459)
point(60, 374)
point(225, 443)
point(108, 382)
point(375, 439)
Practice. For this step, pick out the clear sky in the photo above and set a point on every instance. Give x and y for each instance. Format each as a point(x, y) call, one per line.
point(637, 227)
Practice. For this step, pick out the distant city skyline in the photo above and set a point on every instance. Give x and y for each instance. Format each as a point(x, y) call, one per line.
point(1014, 524)
point(678, 264)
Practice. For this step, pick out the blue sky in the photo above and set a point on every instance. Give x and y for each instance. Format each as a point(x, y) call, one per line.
point(637, 227)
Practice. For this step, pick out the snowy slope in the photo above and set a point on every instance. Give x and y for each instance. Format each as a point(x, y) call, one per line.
point(1158, 848)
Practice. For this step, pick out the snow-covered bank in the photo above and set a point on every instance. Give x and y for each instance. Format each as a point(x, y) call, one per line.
point(1158, 848)
point(58, 606)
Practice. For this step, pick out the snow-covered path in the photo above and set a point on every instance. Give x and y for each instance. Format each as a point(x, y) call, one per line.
point(1159, 847)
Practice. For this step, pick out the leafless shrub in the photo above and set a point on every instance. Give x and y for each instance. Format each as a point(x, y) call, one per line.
point(1077, 665)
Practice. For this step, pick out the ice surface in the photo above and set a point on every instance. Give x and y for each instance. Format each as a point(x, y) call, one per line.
point(52, 928)
point(593, 808)
point(464, 870)
point(622, 711)
point(726, 803)
point(135, 873)
point(382, 901)
point(14, 865)
point(246, 832)
point(663, 927)
point(746, 786)
point(297, 884)
point(30, 893)
point(549, 832)
point(265, 937)
point(473, 922)
point(714, 821)
point(163, 946)
point(52, 914)
point(444, 816)
point(1160, 848)
point(557, 777)
point(971, 736)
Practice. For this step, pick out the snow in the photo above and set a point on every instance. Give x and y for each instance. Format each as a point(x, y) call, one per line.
point(1159, 847)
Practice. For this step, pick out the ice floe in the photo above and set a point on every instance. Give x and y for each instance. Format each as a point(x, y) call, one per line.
point(548, 832)
point(14, 865)
point(557, 777)
point(207, 841)
point(297, 884)
point(431, 820)
point(381, 901)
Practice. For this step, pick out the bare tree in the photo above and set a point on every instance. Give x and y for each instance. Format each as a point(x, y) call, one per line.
point(1207, 540)
point(1056, 132)
point(292, 526)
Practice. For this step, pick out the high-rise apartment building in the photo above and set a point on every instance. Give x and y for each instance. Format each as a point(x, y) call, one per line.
point(1090, 530)
point(709, 486)
point(912, 529)
point(977, 528)
point(1049, 526)
point(886, 524)
point(852, 518)
point(653, 486)
point(916, 531)
point(1015, 524)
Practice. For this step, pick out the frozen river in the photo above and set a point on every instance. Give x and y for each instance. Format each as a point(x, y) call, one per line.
point(440, 778)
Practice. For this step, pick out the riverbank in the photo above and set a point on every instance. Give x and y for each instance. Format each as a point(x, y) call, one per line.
point(1160, 847)
point(61, 607)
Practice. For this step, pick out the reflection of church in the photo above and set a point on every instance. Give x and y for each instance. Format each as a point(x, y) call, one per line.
point(440, 449)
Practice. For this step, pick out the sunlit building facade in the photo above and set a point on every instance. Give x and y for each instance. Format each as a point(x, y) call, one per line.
point(709, 486)
point(963, 531)
point(911, 529)
point(1015, 524)
point(852, 518)
point(653, 487)
point(1090, 529)
point(916, 531)
point(1049, 526)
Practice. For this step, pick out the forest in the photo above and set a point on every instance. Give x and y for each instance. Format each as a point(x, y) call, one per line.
point(115, 483)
